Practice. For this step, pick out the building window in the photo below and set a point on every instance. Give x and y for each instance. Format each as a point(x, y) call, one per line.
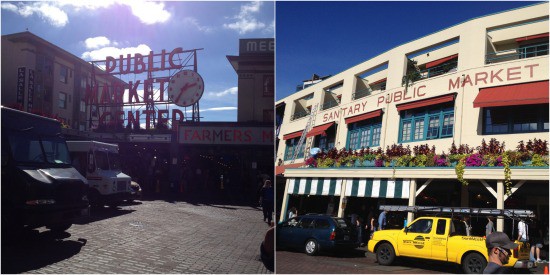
point(515, 119)
point(82, 106)
point(64, 74)
point(269, 86)
point(326, 141)
point(363, 134)
point(62, 100)
point(425, 123)
point(83, 81)
point(292, 146)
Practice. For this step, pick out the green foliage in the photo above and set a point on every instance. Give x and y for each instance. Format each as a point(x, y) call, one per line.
point(403, 161)
point(539, 160)
point(507, 174)
point(459, 170)
point(412, 74)
point(324, 163)
point(420, 161)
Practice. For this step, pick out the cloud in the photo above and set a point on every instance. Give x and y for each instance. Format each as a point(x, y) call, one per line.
point(230, 91)
point(57, 13)
point(194, 22)
point(96, 42)
point(217, 109)
point(101, 54)
point(49, 13)
point(245, 20)
point(149, 12)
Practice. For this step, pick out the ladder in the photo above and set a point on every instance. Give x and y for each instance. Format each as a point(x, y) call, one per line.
point(310, 123)
point(511, 213)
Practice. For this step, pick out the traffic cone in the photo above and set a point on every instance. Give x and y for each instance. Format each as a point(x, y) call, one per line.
point(546, 269)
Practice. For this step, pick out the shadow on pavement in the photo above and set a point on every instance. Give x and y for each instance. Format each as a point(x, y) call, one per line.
point(35, 250)
point(97, 214)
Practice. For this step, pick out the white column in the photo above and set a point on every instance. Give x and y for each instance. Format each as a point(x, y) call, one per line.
point(412, 199)
point(500, 203)
point(342, 196)
point(284, 207)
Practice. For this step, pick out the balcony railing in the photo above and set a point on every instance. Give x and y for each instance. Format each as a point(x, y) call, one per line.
point(298, 115)
point(517, 53)
point(439, 70)
point(329, 104)
point(362, 93)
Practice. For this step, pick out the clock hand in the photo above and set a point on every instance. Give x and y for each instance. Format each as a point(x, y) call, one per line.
point(183, 89)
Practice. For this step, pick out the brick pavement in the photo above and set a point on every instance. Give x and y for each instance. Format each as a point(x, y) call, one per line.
point(149, 237)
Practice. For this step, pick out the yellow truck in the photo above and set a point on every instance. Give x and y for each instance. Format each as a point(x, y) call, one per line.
point(441, 239)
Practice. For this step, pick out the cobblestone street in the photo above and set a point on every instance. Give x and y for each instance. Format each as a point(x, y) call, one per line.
point(147, 237)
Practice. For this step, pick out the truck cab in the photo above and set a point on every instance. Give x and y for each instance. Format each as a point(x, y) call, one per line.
point(39, 185)
point(100, 163)
point(441, 239)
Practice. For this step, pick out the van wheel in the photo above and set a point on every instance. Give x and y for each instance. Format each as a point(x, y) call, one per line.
point(95, 199)
point(474, 263)
point(312, 247)
point(385, 254)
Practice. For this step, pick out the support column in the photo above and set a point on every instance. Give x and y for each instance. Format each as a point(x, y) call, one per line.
point(464, 196)
point(284, 207)
point(343, 199)
point(412, 200)
point(500, 203)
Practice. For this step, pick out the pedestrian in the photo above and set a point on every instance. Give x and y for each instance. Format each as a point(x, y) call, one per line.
point(360, 233)
point(266, 200)
point(523, 231)
point(499, 249)
point(490, 227)
point(536, 240)
point(373, 225)
point(368, 223)
point(292, 213)
point(382, 222)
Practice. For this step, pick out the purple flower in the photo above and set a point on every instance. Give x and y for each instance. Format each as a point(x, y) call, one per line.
point(440, 160)
point(379, 162)
point(474, 160)
point(311, 162)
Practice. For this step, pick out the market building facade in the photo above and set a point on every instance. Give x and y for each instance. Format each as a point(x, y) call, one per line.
point(186, 157)
point(478, 80)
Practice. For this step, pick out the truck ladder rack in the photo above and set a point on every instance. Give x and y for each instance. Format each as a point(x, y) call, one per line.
point(512, 213)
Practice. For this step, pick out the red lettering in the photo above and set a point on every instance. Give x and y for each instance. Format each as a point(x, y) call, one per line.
point(91, 94)
point(405, 95)
point(380, 100)
point(148, 114)
point(103, 116)
point(132, 93)
point(389, 98)
point(139, 65)
point(206, 135)
point(186, 133)
point(479, 78)
point(418, 91)
point(510, 73)
point(325, 117)
point(248, 136)
point(493, 76)
point(110, 64)
point(105, 97)
point(227, 135)
point(364, 104)
point(128, 64)
point(148, 93)
point(397, 96)
point(162, 81)
point(357, 107)
point(176, 121)
point(454, 85)
point(196, 136)
point(467, 80)
point(118, 92)
point(266, 135)
point(531, 69)
point(133, 120)
point(237, 135)
point(171, 57)
point(162, 120)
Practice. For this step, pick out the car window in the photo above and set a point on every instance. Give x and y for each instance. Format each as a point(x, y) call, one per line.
point(341, 223)
point(306, 222)
point(290, 223)
point(322, 223)
point(421, 226)
point(458, 228)
point(441, 227)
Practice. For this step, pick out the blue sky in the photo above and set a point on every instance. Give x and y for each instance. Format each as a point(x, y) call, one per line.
point(326, 38)
point(93, 30)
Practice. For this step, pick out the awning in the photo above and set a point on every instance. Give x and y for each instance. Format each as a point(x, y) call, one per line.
point(293, 135)
point(440, 61)
point(315, 186)
point(281, 168)
point(378, 81)
point(368, 115)
point(319, 130)
point(426, 102)
point(513, 95)
point(378, 188)
point(531, 37)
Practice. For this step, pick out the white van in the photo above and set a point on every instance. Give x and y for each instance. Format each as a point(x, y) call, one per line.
point(100, 163)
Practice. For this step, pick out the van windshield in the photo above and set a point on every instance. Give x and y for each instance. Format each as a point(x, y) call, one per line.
point(107, 160)
point(29, 147)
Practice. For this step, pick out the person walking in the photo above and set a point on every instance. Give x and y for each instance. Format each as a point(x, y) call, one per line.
point(523, 231)
point(266, 200)
point(499, 249)
point(382, 220)
point(360, 232)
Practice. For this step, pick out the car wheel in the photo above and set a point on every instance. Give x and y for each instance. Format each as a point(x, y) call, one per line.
point(312, 247)
point(385, 254)
point(474, 263)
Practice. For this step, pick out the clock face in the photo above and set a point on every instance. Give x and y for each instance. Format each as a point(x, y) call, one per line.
point(185, 88)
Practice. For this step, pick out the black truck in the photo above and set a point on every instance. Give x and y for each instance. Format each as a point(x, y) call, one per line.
point(39, 186)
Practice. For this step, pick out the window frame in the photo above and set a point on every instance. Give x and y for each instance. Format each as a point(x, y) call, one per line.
point(422, 116)
point(369, 129)
point(511, 116)
point(64, 74)
point(62, 103)
point(290, 148)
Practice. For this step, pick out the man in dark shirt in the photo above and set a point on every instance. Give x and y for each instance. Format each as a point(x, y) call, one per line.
point(499, 249)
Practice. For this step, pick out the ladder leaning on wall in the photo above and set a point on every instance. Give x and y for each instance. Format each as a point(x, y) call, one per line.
point(309, 125)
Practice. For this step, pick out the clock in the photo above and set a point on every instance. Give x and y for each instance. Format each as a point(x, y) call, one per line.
point(185, 88)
